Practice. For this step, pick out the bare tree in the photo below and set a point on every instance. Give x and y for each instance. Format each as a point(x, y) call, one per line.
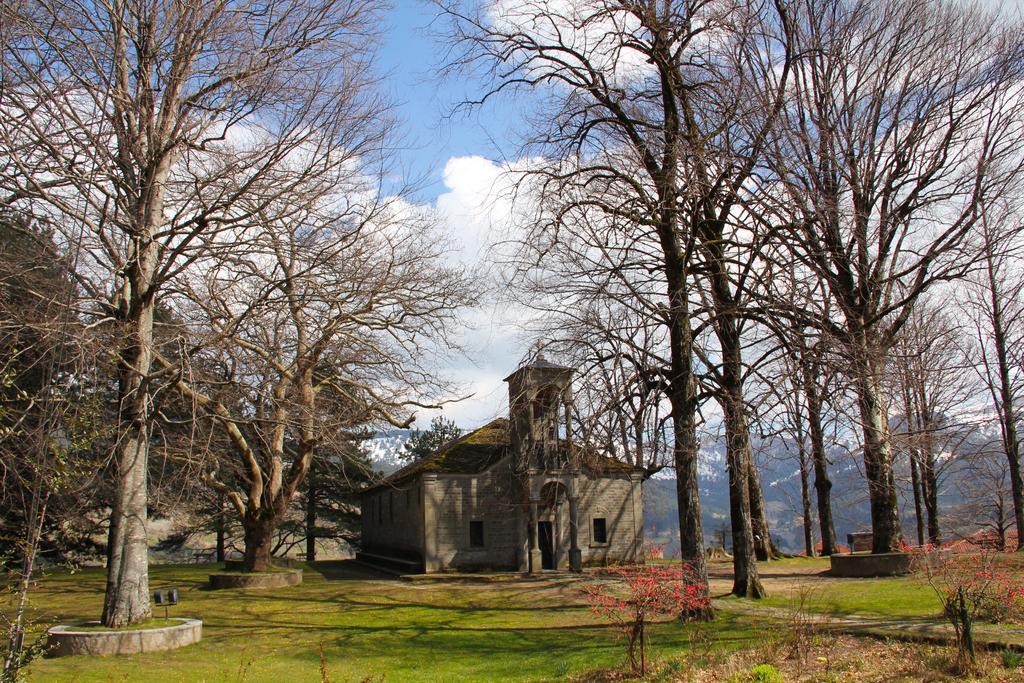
point(933, 383)
point(317, 321)
point(147, 122)
point(904, 118)
point(987, 501)
point(995, 305)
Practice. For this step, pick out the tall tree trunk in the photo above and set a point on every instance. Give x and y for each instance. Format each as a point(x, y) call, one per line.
point(746, 582)
point(220, 527)
point(910, 416)
point(764, 549)
point(931, 499)
point(885, 519)
point(682, 394)
point(126, 601)
point(259, 536)
point(740, 456)
point(744, 483)
point(1007, 410)
point(805, 495)
point(311, 494)
point(915, 482)
point(929, 479)
point(822, 483)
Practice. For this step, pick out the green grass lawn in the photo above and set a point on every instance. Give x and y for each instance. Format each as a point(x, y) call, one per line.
point(369, 628)
point(906, 597)
point(896, 597)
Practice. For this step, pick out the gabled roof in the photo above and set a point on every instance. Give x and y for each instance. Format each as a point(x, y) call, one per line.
point(469, 454)
point(480, 450)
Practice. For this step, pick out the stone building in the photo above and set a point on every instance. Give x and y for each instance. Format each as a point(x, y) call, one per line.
point(515, 495)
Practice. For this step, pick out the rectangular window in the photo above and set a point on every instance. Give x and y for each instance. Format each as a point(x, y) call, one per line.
point(391, 506)
point(600, 530)
point(476, 534)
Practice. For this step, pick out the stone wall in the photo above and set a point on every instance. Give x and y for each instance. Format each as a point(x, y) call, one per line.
point(392, 519)
point(617, 499)
point(453, 502)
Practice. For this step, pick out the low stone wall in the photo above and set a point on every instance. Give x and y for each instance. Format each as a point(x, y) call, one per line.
point(72, 639)
point(292, 577)
point(871, 564)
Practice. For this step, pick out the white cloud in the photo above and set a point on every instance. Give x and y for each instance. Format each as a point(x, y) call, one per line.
point(477, 212)
point(474, 205)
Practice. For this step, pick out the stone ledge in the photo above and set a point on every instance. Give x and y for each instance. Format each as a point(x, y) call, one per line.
point(283, 562)
point(71, 639)
point(864, 565)
point(257, 580)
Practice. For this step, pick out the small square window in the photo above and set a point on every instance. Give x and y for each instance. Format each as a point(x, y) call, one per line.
point(600, 530)
point(476, 534)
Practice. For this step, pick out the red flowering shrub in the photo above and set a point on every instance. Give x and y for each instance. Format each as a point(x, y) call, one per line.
point(628, 596)
point(971, 586)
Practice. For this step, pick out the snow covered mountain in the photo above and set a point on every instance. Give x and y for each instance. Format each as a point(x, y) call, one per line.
point(385, 448)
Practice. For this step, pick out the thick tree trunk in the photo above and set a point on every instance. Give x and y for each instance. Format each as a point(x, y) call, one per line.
point(764, 549)
point(682, 395)
point(740, 457)
point(259, 537)
point(126, 601)
point(744, 483)
point(746, 582)
point(885, 520)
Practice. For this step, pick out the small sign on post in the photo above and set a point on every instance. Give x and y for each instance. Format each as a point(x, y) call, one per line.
point(165, 599)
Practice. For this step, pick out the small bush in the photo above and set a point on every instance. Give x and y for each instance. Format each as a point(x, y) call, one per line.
point(765, 673)
point(630, 595)
point(761, 673)
point(970, 586)
point(1012, 659)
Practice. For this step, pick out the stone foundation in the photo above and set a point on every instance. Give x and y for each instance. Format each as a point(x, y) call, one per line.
point(74, 640)
point(862, 565)
point(281, 579)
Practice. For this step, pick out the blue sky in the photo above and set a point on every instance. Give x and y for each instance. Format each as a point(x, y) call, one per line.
point(410, 56)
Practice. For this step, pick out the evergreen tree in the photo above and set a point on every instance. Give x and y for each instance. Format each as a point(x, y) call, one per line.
point(423, 443)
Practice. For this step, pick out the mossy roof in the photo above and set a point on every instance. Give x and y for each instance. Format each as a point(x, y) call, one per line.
point(480, 450)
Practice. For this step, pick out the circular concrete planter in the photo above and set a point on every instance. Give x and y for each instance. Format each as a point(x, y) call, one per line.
point(74, 640)
point(862, 565)
point(289, 577)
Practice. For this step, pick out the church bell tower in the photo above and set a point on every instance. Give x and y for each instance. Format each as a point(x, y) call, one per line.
point(540, 401)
